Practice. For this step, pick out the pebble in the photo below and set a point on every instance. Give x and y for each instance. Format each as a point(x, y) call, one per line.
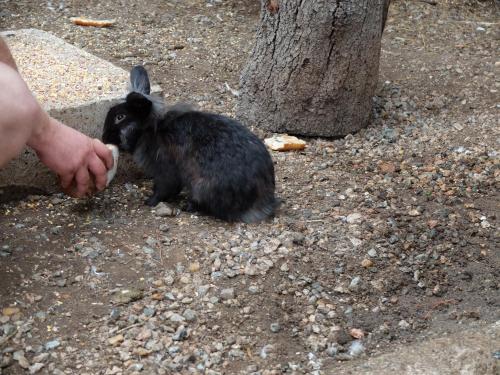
point(189, 315)
point(36, 367)
point(194, 267)
point(414, 212)
point(180, 334)
point(164, 210)
point(21, 359)
point(253, 289)
point(354, 218)
point(50, 345)
point(125, 296)
point(149, 312)
point(114, 314)
point(137, 367)
point(176, 318)
point(275, 327)
point(227, 294)
point(403, 324)
point(9, 311)
point(356, 348)
point(356, 333)
point(202, 290)
point(366, 263)
point(354, 284)
point(266, 351)
point(332, 350)
point(164, 227)
point(386, 167)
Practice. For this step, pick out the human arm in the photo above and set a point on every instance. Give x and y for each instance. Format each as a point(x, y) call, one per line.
point(77, 159)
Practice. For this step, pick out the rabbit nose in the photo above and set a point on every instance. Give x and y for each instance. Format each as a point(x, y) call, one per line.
point(124, 135)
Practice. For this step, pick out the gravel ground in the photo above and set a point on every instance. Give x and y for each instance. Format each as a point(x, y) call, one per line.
point(385, 237)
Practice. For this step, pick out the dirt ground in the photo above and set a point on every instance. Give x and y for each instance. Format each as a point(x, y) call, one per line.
point(386, 237)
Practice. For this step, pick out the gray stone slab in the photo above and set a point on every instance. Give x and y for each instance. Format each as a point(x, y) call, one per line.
point(74, 86)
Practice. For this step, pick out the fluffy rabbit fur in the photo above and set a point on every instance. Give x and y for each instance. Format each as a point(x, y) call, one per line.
point(225, 169)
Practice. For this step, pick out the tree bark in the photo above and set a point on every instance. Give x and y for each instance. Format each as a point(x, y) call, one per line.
point(314, 66)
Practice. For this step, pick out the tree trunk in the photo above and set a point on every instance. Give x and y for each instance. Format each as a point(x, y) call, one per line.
point(314, 66)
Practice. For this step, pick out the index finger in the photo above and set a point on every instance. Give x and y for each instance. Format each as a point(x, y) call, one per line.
point(103, 152)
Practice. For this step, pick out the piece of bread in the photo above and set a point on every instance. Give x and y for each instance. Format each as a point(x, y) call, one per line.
point(82, 21)
point(112, 171)
point(284, 143)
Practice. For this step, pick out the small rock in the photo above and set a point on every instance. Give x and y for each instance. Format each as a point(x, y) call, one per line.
point(354, 285)
point(253, 289)
point(387, 167)
point(266, 351)
point(414, 212)
point(366, 263)
point(142, 352)
point(389, 134)
point(432, 223)
point(332, 350)
point(194, 267)
point(135, 367)
point(180, 334)
point(202, 290)
point(144, 334)
point(275, 327)
point(114, 314)
point(8, 329)
point(125, 296)
point(35, 367)
point(56, 230)
point(354, 218)
point(484, 223)
point(164, 210)
point(372, 253)
point(227, 294)
point(356, 333)
point(41, 357)
point(403, 324)
point(177, 318)
point(148, 250)
point(149, 312)
point(356, 348)
point(52, 344)
point(393, 239)
point(356, 242)
point(189, 315)
point(21, 359)
point(9, 311)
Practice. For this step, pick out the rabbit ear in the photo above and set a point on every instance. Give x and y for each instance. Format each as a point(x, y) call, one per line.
point(139, 80)
point(139, 105)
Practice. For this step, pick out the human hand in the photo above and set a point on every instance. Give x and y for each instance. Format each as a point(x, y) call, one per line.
point(80, 162)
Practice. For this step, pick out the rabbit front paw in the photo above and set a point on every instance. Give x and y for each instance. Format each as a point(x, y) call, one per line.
point(152, 201)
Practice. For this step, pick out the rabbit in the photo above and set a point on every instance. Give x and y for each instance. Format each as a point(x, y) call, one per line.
point(225, 169)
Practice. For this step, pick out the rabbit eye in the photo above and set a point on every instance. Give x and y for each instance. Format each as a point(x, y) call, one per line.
point(119, 118)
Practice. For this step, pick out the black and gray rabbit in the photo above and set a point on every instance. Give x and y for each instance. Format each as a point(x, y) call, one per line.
point(224, 168)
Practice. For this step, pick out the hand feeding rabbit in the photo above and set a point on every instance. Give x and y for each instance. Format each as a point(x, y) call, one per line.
point(225, 169)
